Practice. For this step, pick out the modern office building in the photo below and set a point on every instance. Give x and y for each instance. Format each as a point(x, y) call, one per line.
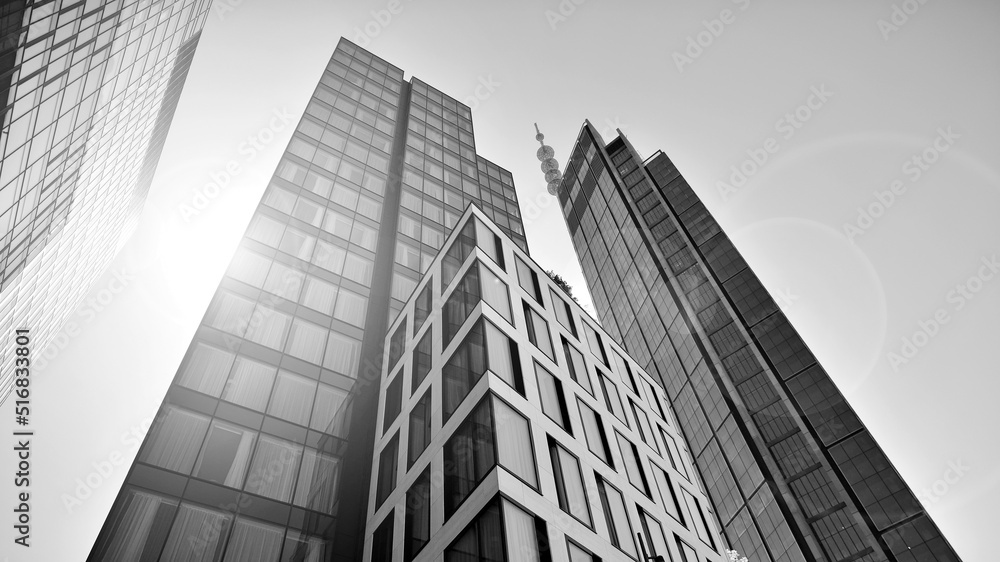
point(792, 472)
point(512, 428)
point(87, 93)
point(262, 447)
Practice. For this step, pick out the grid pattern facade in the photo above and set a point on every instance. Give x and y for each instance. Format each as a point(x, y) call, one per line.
point(791, 470)
point(87, 93)
point(265, 434)
point(441, 175)
point(512, 428)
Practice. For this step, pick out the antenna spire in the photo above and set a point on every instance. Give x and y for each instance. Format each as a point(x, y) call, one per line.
point(550, 167)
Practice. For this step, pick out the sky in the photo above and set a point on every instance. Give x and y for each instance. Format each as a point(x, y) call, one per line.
point(848, 149)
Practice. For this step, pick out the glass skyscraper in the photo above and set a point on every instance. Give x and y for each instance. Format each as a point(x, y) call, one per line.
point(512, 428)
point(87, 93)
point(262, 447)
point(792, 472)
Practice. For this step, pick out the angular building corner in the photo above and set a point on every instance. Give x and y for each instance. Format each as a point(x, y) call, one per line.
point(385, 374)
point(261, 449)
point(511, 427)
point(87, 95)
point(792, 472)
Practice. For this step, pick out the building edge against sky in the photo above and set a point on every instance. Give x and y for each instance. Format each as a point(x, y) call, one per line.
point(87, 95)
point(264, 437)
point(791, 470)
point(510, 423)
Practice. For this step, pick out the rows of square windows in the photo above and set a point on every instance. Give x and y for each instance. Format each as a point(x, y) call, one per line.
point(338, 110)
point(149, 526)
point(320, 302)
point(553, 402)
point(46, 86)
point(792, 459)
point(439, 217)
point(289, 390)
point(329, 124)
point(341, 249)
point(231, 455)
point(439, 184)
point(349, 101)
point(430, 178)
point(370, 80)
point(334, 220)
point(352, 163)
point(506, 446)
point(442, 105)
point(439, 144)
point(567, 320)
point(350, 263)
point(262, 323)
point(367, 59)
point(622, 158)
point(443, 184)
point(725, 261)
point(438, 123)
point(39, 203)
point(337, 107)
point(262, 387)
point(366, 65)
point(427, 158)
point(652, 329)
point(664, 232)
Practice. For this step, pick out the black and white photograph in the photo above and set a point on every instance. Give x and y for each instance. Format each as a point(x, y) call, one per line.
point(519, 281)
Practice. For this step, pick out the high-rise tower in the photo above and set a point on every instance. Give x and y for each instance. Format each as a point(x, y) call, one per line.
point(87, 94)
point(791, 470)
point(262, 448)
point(512, 428)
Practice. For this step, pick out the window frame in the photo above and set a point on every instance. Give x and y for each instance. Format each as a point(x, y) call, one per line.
point(558, 474)
point(530, 317)
point(560, 397)
point(410, 507)
point(558, 301)
point(608, 458)
point(614, 534)
point(426, 427)
point(387, 476)
point(531, 285)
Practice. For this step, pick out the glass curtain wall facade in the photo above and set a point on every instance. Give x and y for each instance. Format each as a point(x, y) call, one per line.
point(512, 428)
point(792, 472)
point(87, 94)
point(261, 450)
